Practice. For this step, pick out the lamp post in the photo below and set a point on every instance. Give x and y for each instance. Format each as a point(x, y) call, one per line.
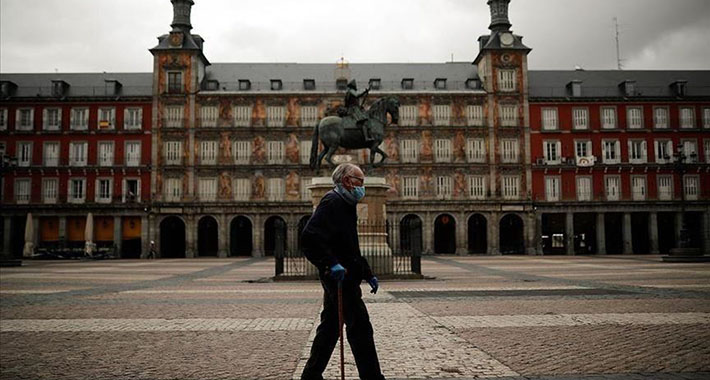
point(7, 163)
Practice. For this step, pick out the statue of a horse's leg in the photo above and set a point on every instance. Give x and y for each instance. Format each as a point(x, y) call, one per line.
point(320, 157)
point(331, 152)
point(375, 148)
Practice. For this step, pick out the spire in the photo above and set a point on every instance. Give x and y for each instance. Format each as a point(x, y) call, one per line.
point(499, 15)
point(181, 15)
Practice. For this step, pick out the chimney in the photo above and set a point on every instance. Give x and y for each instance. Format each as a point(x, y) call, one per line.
point(181, 15)
point(499, 15)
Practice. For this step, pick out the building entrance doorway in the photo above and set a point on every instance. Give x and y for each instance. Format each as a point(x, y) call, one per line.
point(477, 234)
point(445, 234)
point(275, 236)
point(172, 238)
point(410, 235)
point(240, 237)
point(511, 235)
point(207, 237)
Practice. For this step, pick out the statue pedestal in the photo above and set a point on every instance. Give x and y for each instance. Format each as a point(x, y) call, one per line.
point(372, 221)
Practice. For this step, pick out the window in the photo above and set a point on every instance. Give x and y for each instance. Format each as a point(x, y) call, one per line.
point(664, 151)
point(706, 117)
point(173, 152)
point(407, 84)
point(275, 189)
point(77, 190)
point(207, 189)
point(706, 146)
point(52, 119)
point(477, 187)
point(242, 188)
point(24, 154)
point(608, 117)
point(612, 188)
point(78, 153)
point(665, 187)
point(687, 117)
point(611, 152)
point(309, 116)
point(440, 83)
point(637, 151)
point(690, 148)
point(582, 148)
point(409, 151)
point(173, 189)
point(305, 151)
point(634, 117)
point(408, 116)
point(580, 118)
point(174, 117)
point(473, 83)
point(443, 187)
point(105, 153)
point(476, 150)
point(341, 84)
point(691, 187)
point(3, 119)
point(552, 189)
point(509, 149)
point(276, 85)
point(104, 187)
point(208, 116)
point(442, 115)
point(309, 84)
point(133, 118)
point(50, 190)
point(511, 186)
point(244, 85)
point(552, 151)
point(442, 150)
point(508, 116)
point(474, 115)
point(375, 83)
point(660, 118)
point(131, 190)
point(107, 118)
point(25, 119)
point(506, 80)
point(638, 188)
point(133, 153)
point(242, 116)
point(174, 82)
point(275, 152)
point(242, 152)
point(208, 153)
point(410, 187)
point(549, 119)
point(584, 188)
point(51, 154)
point(275, 116)
point(22, 190)
point(79, 119)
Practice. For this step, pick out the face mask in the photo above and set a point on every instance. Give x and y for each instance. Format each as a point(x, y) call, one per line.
point(358, 192)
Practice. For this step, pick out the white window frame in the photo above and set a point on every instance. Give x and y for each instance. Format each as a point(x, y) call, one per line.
point(638, 188)
point(109, 115)
point(19, 124)
point(634, 117)
point(309, 116)
point(690, 146)
point(410, 187)
point(50, 153)
point(79, 119)
point(584, 188)
point(476, 150)
point(242, 189)
point(174, 116)
point(706, 117)
point(442, 150)
point(637, 148)
point(508, 115)
point(408, 115)
point(552, 188)
point(609, 119)
point(477, 187)
point(550, 120)
point(612, 187)
point(3, 119)
point(276, 116)
point(409, 151)
point(124, 189)
point(275, 189)
point(660, 118)
point(614, 156)
point(242, 149)
point(50, 193)
point(51, 124)
point(304, 152)
point(305, 193)
point(441, 114)
point(691, 187)
point(506, 80)
point(510, 187)
point(72, 196)
point(106, 156)
point(580, 118)
point(172, 152)
point(23, 190)
point(706, 150)
point(663, 144)
point(274, 152)
point(474, 115)
point(208, 152)
point(98, 196)
point(242, 116)
point(132, 154)
point(209, 114)
point(207, 189)
point(686, 119)
point(133, 118)
point(509, 151)
point(552, 150)
point(24, 153)
point(172, 190)
point(443, 187)
point(664, 184)
point(587, 147)
point(78, 153)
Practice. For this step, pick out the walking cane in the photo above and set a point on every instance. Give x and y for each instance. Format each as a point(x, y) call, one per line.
point(340, 328)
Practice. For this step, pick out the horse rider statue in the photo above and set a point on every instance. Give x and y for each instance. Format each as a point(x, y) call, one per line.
point(354, 108)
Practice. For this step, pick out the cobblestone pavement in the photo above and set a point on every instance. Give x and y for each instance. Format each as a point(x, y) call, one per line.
point(542, 318)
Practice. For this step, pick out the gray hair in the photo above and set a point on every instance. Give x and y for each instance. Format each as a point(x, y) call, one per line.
point(341, 171)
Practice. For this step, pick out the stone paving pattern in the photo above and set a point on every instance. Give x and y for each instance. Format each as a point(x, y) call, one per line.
point(518, 317)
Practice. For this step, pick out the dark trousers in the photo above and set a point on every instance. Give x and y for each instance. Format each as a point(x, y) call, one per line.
point(358, 328)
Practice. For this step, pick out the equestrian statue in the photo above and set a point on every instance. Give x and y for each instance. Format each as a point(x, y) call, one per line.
point(354, 128)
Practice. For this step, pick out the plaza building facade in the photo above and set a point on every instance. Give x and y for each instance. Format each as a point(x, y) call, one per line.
point(486, 157)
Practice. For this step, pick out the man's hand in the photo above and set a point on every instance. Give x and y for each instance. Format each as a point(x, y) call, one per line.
point(374, 284)
point(337, 272)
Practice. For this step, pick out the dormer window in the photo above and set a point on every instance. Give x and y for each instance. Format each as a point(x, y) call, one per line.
point(440, 83)
point(59, 87)
point(574, 88)
point(277, 85)
point(212, 85)
point(113, 87)
point(7, 88)
point(679, 87)
point(375, 83)
point(174, 82)
point(628, 87)
point(473, 84)
point(407, 84)
point(244, 85)
point(341, 84)
point(309, 84)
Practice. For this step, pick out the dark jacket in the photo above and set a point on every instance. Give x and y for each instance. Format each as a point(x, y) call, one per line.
point(330, 237)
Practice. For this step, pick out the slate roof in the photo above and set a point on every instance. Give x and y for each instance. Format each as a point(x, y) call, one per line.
point(81, 84)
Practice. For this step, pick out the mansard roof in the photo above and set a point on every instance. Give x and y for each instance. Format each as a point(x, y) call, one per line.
point(81, 84)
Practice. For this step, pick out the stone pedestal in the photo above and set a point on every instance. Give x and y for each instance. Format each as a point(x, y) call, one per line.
point(372, 221)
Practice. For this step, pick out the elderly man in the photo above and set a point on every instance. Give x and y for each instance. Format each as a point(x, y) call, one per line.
point(330, 242)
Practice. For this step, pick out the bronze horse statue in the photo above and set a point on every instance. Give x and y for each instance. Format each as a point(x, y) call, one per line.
point(334, 134)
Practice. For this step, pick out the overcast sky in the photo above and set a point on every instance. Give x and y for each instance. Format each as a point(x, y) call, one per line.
point(115, 35)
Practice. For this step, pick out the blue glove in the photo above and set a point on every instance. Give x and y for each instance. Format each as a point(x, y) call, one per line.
point(337, 272)
point(374, 284)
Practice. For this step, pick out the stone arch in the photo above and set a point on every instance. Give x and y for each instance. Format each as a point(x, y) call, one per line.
point(410, 235)
point(477, 234)
point(207, 236)
point(445, 234)
point(275, 236)
point(512, 234)
point(241, 236)
point(172, 237)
